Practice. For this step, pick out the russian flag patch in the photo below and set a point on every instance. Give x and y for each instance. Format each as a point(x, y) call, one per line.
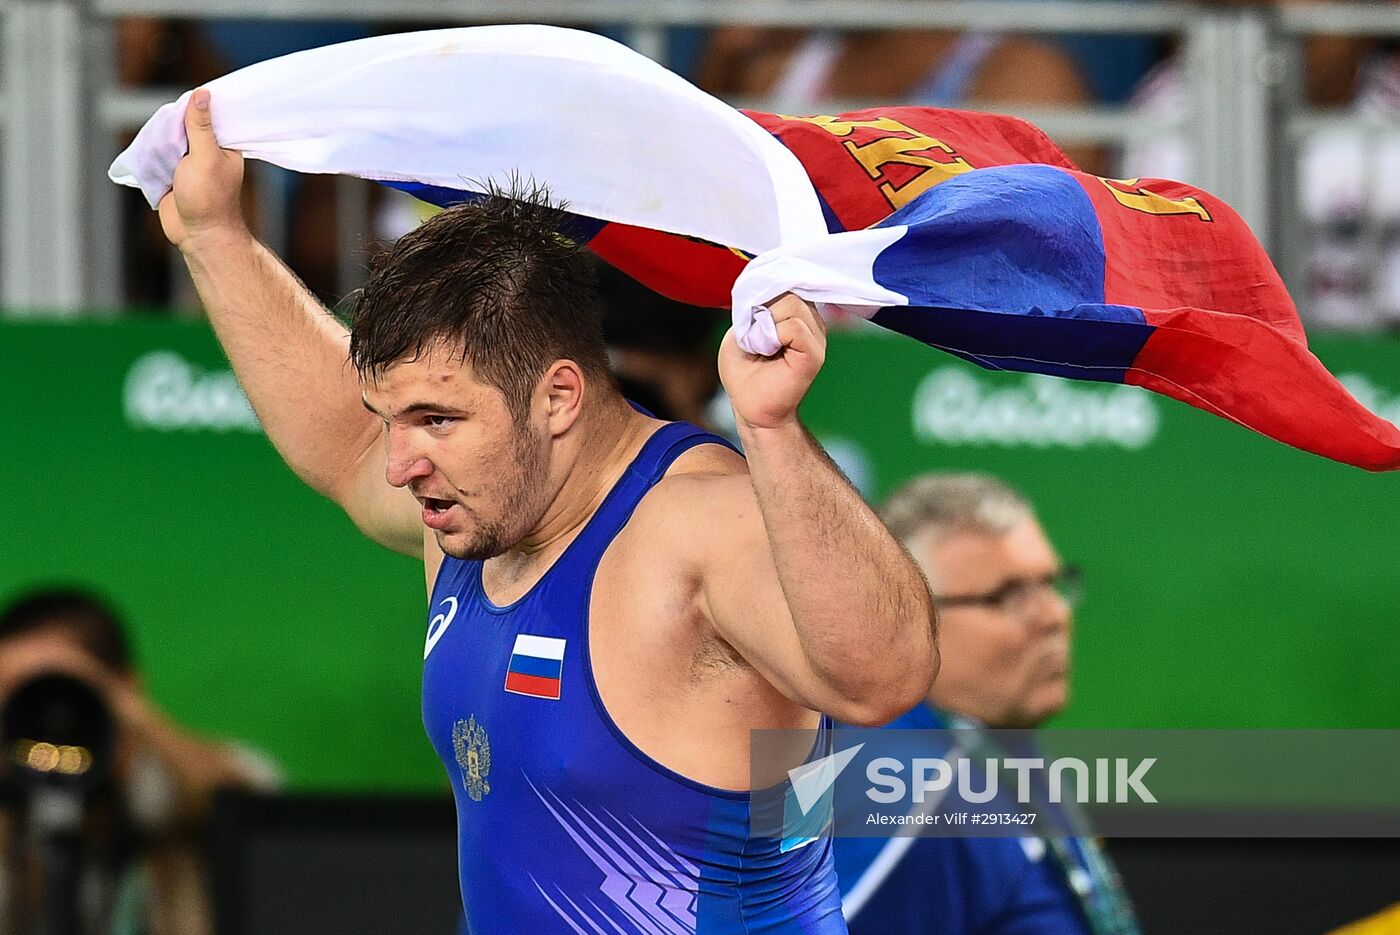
point(536, 666)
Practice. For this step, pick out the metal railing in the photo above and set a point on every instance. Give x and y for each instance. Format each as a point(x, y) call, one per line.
point(61, 107)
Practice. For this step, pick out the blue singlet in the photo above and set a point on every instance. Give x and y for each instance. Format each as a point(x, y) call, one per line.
point(563, 824)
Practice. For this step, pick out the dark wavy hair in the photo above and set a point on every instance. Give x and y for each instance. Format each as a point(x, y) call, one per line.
point(93, 623)
point(495, 277)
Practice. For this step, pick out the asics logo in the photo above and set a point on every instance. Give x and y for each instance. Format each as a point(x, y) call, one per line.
point(438, 625)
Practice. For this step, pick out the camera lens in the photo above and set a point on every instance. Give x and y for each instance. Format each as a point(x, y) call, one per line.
point(56, 730)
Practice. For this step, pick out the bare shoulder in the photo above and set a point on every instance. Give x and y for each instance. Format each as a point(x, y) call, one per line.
point(705, 500)
point(702, 479)
point(708, 459)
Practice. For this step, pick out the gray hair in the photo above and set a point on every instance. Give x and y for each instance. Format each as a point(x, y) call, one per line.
point(939, 505)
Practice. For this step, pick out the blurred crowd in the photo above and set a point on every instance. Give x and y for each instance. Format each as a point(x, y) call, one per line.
point(1347, 178)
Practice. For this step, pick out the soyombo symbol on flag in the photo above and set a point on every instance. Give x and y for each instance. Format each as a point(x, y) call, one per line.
point(536, 666)
point(969, 232)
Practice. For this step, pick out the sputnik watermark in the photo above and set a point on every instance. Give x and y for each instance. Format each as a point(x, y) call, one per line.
point(1116, 780)
point(970, 781)
point(952, 819)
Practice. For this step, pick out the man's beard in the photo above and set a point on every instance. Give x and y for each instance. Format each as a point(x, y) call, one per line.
point(494, 537)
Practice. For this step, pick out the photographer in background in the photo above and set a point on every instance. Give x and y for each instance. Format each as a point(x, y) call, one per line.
point(140, 868)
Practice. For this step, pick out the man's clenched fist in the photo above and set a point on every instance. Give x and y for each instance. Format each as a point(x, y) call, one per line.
point(205, 201)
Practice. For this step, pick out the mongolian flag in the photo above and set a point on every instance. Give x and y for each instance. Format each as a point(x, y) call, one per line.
point(969, 232)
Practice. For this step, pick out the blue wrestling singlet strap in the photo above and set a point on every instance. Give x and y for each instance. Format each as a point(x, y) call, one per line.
point(659, 452)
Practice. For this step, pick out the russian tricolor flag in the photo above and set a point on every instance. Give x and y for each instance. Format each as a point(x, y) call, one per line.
point(536, 666)
point(969, 232)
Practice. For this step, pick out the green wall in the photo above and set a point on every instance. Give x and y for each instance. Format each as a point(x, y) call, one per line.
point(1231, 581)
point(258, 611)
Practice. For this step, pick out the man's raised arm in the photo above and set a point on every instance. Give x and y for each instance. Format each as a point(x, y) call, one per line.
point(810, 586)
point(289, 353)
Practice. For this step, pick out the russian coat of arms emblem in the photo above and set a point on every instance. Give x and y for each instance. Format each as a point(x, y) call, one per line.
point(473, 755)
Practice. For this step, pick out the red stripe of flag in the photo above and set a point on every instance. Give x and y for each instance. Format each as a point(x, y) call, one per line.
point(536, 685)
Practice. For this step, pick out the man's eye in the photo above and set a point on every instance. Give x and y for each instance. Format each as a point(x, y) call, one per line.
point(438, 422)
point(1014, 593)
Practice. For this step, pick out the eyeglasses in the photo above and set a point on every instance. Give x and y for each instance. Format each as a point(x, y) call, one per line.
point(1018, 595)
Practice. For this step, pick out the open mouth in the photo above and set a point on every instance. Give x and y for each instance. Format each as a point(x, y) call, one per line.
point(434, 505)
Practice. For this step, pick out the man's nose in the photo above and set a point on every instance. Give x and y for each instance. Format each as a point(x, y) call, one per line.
point(1052, 612)
point(404, 464)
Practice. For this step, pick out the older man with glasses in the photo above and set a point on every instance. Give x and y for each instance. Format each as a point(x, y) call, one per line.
point(1005, 603)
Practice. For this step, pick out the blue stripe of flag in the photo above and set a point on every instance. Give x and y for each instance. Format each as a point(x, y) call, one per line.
point(1088, 342)
point(534, 665)
point(1009, 238)
point(1005, 267)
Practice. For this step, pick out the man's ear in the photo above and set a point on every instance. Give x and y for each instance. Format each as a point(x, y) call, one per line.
point(562, 387)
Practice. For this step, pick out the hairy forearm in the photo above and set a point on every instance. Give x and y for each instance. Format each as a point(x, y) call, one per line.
point(289, 353)
point(862, 610)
